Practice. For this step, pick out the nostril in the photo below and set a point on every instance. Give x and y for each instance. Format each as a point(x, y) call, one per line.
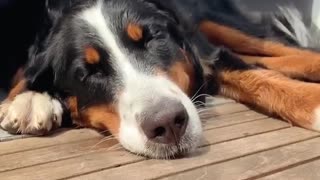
point(181, 120)
point(165, 123)
point(159, 131)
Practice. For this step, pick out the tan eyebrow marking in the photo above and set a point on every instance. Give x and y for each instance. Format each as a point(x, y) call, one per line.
point(135, 32)
point(92, 56)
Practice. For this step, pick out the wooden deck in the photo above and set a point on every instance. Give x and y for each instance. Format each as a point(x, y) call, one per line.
point(238, 144)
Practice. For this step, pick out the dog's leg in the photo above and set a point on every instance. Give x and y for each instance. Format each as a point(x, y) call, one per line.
point(305, 67)
point(29, 112)
point(242, 43)
point(271, 91)
point(293, 62)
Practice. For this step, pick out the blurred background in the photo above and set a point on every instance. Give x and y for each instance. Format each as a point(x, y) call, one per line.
point(310, 9)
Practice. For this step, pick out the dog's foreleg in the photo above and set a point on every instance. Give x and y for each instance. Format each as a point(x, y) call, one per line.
point(271, 91)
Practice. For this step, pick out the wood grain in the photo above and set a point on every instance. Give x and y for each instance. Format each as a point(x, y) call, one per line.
point(243, 130)
point(151, 169)
point(58, 138)
point(74, 166)
point(309, 171)
point(232, 119)
point(107, 159)
point(257, 164)
point(238, 144)
point(228, 108)
point(49, 154)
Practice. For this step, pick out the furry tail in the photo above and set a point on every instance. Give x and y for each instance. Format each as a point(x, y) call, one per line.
point(290, 22)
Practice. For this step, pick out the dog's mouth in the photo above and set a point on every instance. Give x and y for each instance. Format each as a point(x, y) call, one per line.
point(158, 121)
point(161, 147)
point(181, 148)
point(153, 118)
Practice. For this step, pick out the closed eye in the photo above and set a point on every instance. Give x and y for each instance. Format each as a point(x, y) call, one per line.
point(155, 34)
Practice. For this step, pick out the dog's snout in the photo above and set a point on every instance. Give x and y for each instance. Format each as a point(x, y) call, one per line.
point(165, 122)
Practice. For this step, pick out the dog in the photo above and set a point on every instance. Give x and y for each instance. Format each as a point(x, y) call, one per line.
point(140, 68)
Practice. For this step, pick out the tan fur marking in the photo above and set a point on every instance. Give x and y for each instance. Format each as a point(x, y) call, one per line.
point(135, 32)
point(294, 66)
point(103, 116)
point(182, 73)
point(243, 43)
point(19, 88)
point(73, 107)
point(179, 73)
point(92, 56)
point(271, 91)
point(18, 77)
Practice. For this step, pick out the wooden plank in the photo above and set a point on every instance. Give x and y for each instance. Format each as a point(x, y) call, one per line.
point(257, 164)
point(49, 154)
point(5, 136)
point(61, 137)
point(309, 171)
point(72, 167)
point(205, 156)
point(214, 101)
point(214, 136)
point(209, 113)
point(220, 110)
point(232, 119)
point(242, 130)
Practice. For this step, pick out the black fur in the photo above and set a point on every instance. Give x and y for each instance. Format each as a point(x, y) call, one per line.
point(45, 34)
point(57, 63)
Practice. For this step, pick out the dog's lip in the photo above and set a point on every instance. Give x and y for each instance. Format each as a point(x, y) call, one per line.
point(168, 151)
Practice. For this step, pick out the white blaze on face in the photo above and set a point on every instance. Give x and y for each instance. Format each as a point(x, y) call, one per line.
point(139, 89)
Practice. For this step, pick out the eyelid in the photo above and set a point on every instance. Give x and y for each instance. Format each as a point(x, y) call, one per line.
point(154, 32)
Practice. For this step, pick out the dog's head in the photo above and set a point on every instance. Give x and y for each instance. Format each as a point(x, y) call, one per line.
point(130, 68)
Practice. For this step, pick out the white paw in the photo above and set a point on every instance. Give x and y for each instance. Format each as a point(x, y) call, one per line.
point(31, 113)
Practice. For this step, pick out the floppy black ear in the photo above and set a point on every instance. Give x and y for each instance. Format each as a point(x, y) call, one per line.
point(38, 71)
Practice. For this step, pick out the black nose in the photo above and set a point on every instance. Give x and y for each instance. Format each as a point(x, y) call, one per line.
point(165, 122)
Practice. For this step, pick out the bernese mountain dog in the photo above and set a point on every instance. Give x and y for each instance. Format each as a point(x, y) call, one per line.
point(141, 68)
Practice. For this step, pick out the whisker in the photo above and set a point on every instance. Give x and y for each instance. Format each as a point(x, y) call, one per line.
point(115, 147)
point(108, 138)
point(200, 95)
point(200, 103)
point(204, 110)
point(199, 89)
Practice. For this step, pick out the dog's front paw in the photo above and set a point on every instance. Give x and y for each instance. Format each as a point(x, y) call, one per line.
point(31, 113)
